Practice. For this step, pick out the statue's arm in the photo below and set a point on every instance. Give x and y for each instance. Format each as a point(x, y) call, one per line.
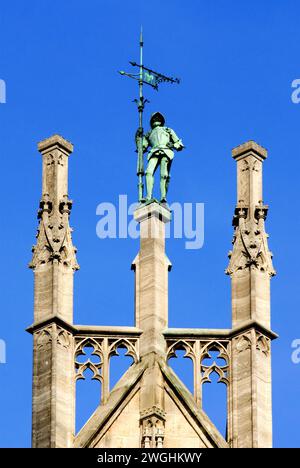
point(146, 142)
point(175, 141)
point(145, 139)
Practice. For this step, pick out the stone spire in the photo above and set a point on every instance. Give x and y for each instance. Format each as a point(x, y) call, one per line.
point(53, 263)
point(54, 259)
point(250, 269)
point(250, 263)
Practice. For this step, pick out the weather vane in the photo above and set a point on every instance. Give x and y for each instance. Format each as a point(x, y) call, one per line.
point(162, 140)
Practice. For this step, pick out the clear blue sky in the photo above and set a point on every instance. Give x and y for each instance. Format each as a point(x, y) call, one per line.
point(237, 61)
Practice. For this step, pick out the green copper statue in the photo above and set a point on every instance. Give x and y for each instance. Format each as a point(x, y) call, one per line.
point(161, 141)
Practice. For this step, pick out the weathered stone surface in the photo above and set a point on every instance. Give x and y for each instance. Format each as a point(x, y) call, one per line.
point(53, 263)
point(151, 268)
point(179, 432)
point(53, 388)
point(250, 268)
point(124, 432)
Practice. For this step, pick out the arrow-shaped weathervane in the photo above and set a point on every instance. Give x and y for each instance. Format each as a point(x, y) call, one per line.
point(153, 79)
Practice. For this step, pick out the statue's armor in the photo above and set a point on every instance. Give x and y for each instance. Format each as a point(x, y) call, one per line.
point(160, 139)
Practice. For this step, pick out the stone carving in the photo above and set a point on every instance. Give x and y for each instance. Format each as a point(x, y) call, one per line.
point(101, 350)
point(182, 345)
point(153, 427)
point(130, 345)
point(247, 165)
point(44, 338)
point(198, 350)
point(54, 239)
point(255, 166)
point(54, 158)
point(56, 334)
point(64, 339)
point(250, 245)
point(242, 343)
point(221, 369)
point(263, 344)
point(96, 366)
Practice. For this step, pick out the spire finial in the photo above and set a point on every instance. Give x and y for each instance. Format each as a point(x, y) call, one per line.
point(141, 36)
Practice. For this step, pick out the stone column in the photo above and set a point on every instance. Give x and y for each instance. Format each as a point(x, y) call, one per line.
point(250, 268)
point(53, 263)
point(250, 264)
point(151, 268)
point(54, 260)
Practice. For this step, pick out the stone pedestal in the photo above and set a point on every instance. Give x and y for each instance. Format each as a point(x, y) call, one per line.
point(151, 267)
point(250, 390)
point(53, 413)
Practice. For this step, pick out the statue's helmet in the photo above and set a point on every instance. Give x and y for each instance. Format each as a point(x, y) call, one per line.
point(157, 116)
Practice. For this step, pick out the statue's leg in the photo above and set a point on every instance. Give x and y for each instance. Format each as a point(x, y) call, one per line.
point(168, 176)
point(151, 168)
point(163, 178)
